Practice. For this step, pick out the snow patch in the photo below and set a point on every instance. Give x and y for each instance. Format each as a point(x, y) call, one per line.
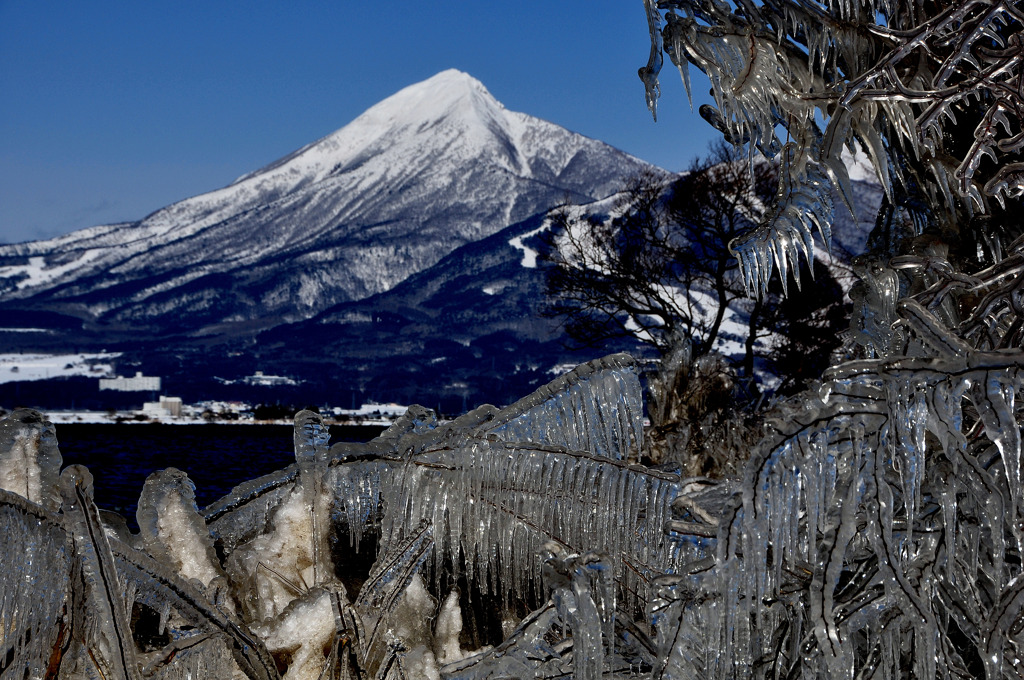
point(25, 367)
point(859, 166)
point(496, 287)
point(529, 254)
point(37, 273)
point(561, 369)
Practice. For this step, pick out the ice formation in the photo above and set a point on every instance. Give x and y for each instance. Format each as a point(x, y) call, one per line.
point(926, 92)
point(511, 539)
point(877, 532)
point(31, 460)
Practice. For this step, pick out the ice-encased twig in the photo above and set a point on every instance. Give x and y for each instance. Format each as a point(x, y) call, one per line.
point(33, 588)
point(29, 458)
point(493, 504)
point(101, 622)
point(525, 653)
point(162, 590)
point(197, 656)
point(596, 407)
point(257, 492)
point(388, 580)
point(682, 614)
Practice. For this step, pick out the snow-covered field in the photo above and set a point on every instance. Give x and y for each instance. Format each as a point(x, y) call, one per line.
point(31, 366)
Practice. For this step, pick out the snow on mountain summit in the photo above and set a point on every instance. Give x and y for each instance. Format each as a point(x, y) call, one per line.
point(416, 107)
point(436, 165)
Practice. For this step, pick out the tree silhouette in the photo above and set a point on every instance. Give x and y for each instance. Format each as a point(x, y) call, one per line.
point(656, 266)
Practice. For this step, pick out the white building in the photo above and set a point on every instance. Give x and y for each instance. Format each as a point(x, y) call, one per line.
point(268, 380)
point(140, 383)
point(167, 406)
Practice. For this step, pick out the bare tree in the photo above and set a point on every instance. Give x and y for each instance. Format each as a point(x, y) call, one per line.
point(657, 265)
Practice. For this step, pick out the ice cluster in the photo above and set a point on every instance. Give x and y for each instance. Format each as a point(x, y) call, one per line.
point(877, 532)
point(511, 542)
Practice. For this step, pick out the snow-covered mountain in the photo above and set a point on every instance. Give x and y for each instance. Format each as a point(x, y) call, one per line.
point(438, 165)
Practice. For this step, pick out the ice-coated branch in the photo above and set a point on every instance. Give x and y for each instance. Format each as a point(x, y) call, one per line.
point(29, 458)
point(101, 625)
point(907, 84)
point(596, 407)
point(803, 205)
point(34, 630)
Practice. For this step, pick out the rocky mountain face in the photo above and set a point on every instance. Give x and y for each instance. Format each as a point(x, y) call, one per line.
point(436, 166)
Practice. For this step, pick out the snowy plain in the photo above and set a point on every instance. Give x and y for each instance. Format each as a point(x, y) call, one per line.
point(39, 366)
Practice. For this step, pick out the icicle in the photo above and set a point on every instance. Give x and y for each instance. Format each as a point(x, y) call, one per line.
point(994, 397)
point(311, 437)
point(803, 204)
point(649, 73)
point(355, 489)
point(836, 647)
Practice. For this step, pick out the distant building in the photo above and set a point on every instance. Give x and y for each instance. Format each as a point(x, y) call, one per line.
point(140, 383)
point(268, 380)
point(167, 406)
point(153, 409)
point(171, 404)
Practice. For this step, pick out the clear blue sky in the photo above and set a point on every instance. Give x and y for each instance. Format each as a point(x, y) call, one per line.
point(111, 110)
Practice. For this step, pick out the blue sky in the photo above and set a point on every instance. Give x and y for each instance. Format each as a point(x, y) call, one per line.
point(111, 110)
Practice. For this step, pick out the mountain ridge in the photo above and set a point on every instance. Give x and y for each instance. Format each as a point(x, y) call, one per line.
point(438, 164)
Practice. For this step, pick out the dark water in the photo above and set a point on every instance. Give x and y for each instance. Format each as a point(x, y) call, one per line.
point(215, 457)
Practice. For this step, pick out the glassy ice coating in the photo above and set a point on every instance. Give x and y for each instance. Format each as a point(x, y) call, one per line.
point(311, 438)
point(929, 93)
point(34, 586)
point(335, 566)
point(597, 407)
point(880, 515)
point(29, 458)
point(100, 616)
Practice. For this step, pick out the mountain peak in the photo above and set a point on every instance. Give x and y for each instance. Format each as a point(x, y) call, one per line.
point(451, 78)
point(440, 96)
point(450, 95)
